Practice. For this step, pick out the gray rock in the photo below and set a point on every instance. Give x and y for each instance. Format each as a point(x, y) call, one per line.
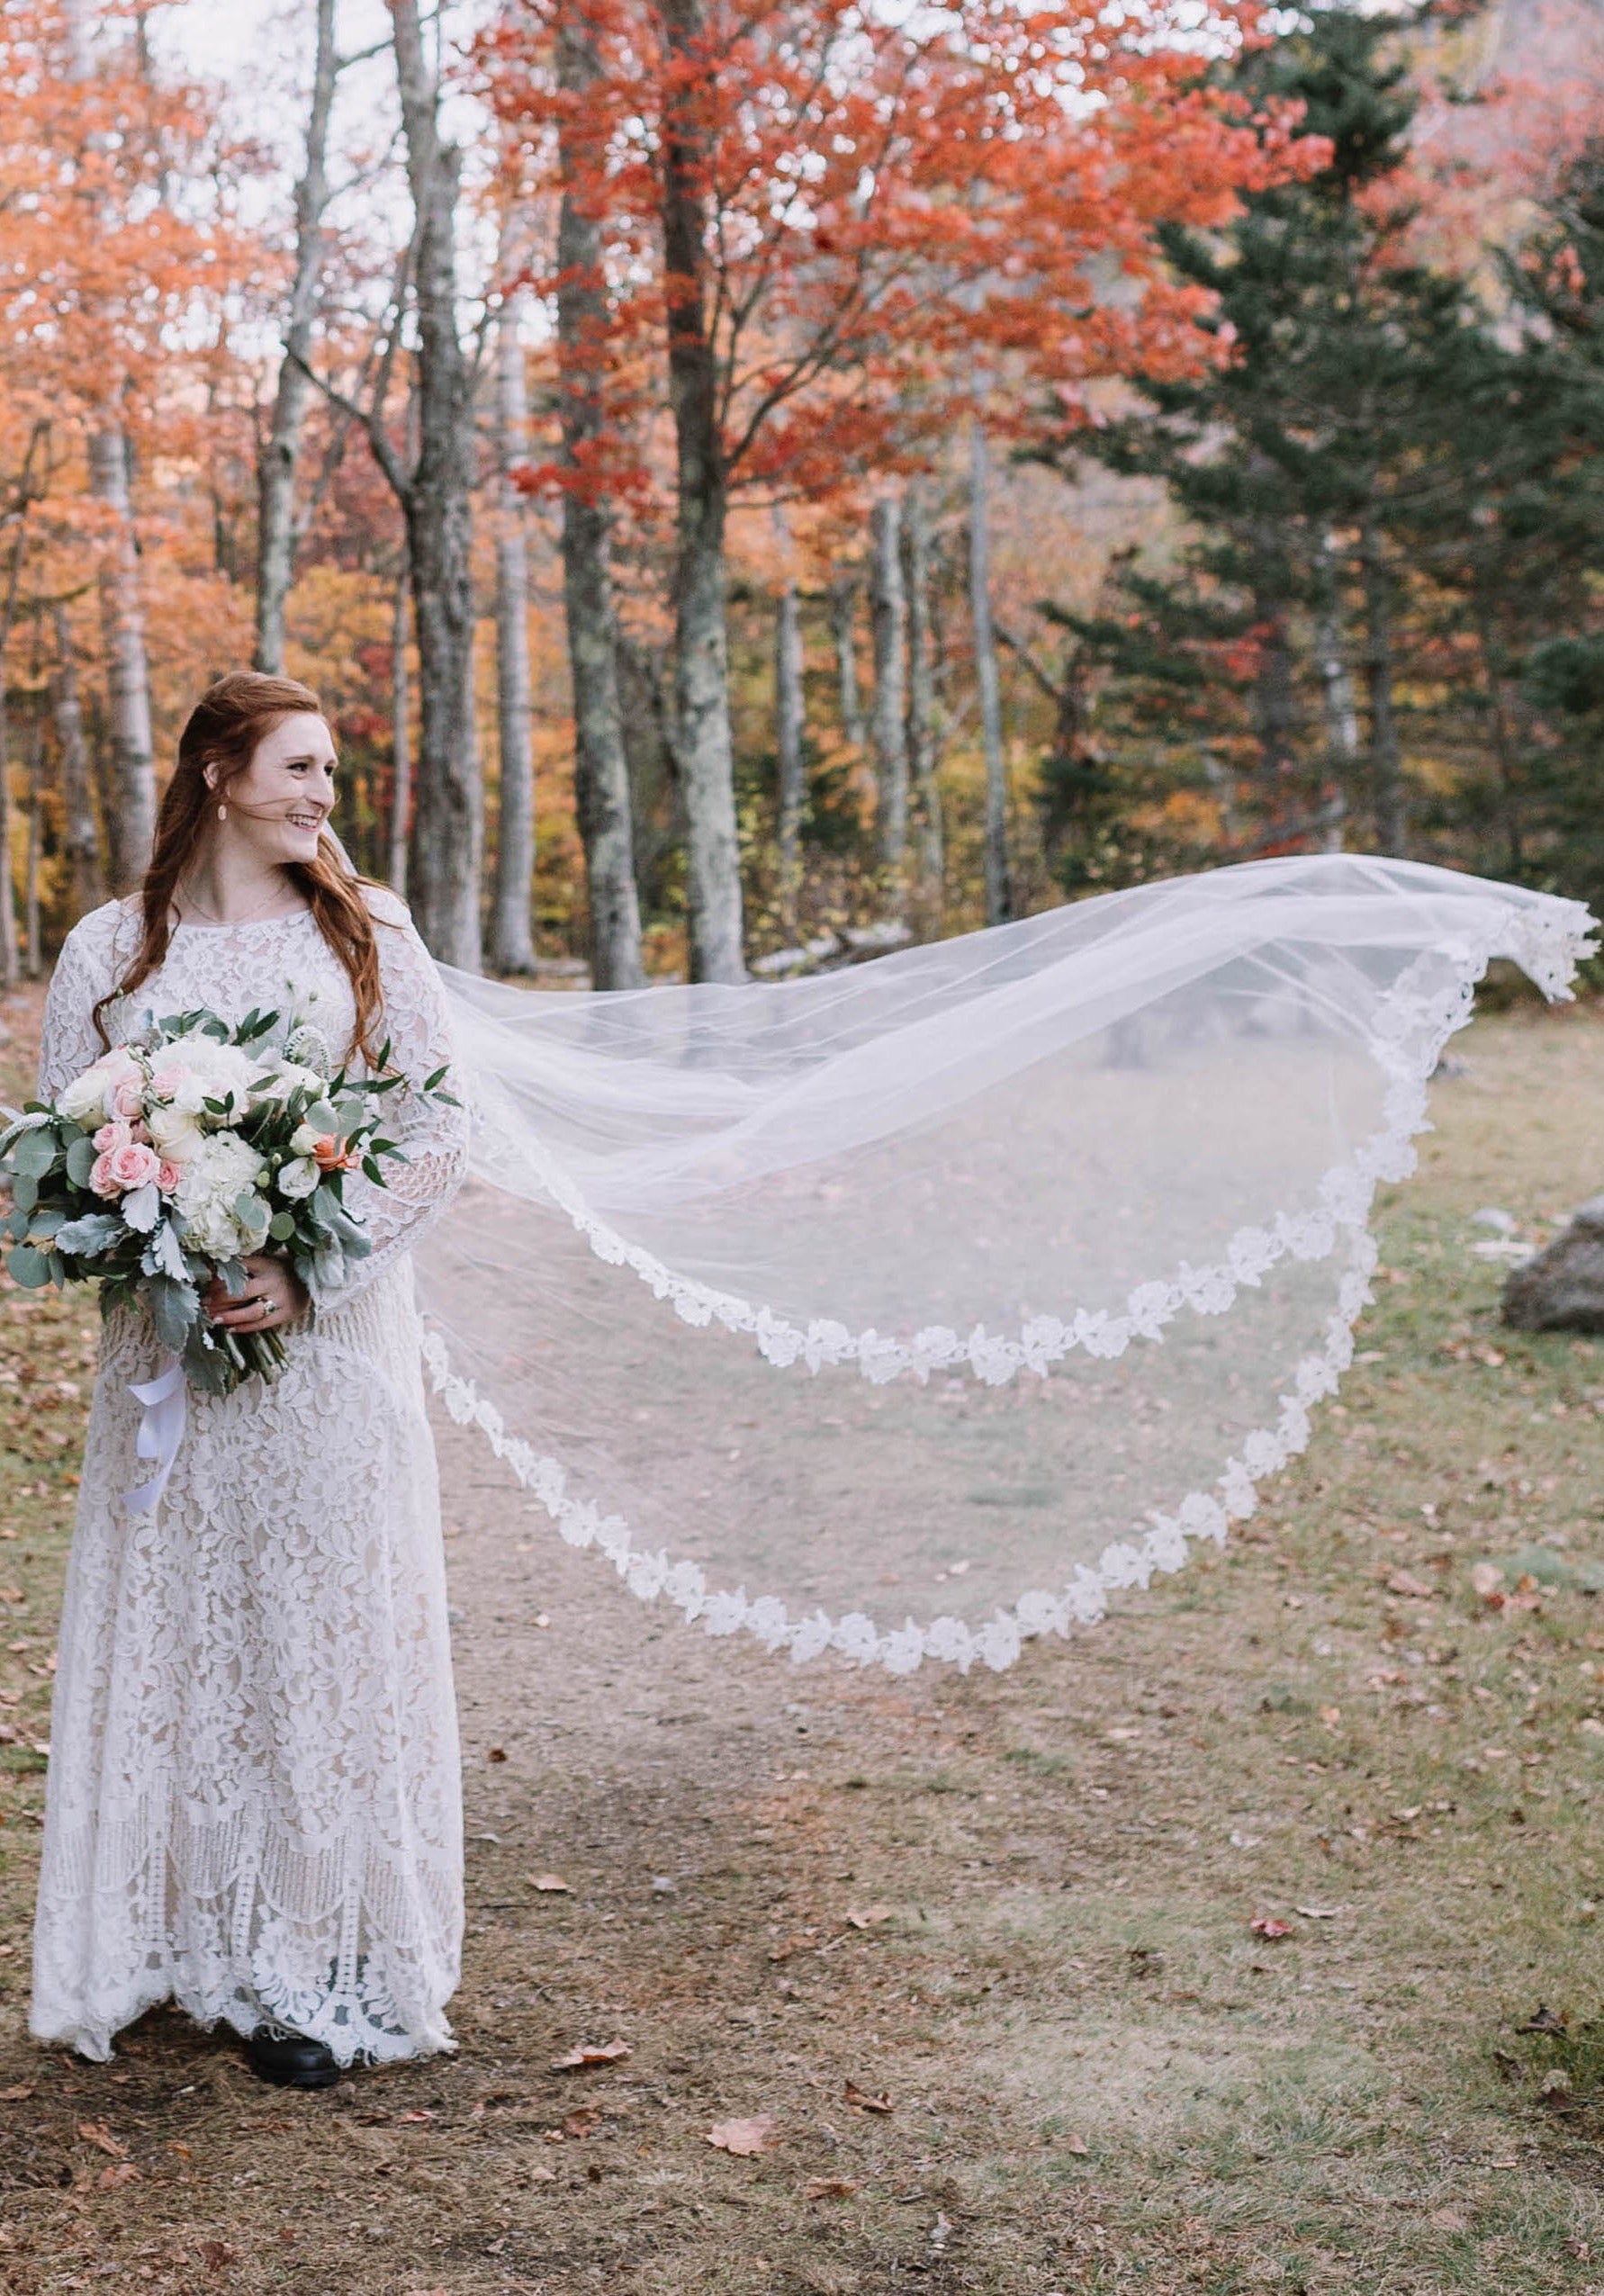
point(1561, 1289)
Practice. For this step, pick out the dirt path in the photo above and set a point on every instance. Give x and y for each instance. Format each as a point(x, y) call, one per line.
point(982, 1951)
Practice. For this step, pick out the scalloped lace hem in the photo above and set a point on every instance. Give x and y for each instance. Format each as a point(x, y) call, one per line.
point(1414, 1024)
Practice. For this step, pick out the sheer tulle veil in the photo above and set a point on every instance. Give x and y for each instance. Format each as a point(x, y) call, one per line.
point(907, 1311)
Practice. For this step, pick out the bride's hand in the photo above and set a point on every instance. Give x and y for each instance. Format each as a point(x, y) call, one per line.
point(273, 1295)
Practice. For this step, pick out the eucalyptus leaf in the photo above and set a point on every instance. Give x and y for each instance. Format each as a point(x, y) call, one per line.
point(34, 1153)
point(173, 1308)
point(80, 1160)
point(282, 1226)
point(24, 1192)
point(28, 1268)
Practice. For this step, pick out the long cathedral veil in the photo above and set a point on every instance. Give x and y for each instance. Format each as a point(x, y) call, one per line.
point(906, 1310)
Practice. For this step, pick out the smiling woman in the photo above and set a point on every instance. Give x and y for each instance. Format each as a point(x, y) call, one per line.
point(253, 1804)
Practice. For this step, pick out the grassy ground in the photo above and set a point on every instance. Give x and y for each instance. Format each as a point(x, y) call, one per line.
point(984, 1951)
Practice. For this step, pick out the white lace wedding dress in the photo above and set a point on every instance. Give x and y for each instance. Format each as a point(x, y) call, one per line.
point(254, 1801)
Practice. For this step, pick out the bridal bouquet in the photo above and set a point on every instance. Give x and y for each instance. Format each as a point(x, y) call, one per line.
point(177, 1154)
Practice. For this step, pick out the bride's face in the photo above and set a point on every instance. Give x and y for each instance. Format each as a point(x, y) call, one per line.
point(277, 806)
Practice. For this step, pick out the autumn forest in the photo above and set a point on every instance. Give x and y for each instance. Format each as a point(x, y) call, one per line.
point(755, 484)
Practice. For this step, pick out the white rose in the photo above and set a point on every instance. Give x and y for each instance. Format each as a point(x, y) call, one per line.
point(174, 1133)
point(214, 1070)
point(288, 1077)
point(300, 1178)
point(88, 1098)
point(304, 1138)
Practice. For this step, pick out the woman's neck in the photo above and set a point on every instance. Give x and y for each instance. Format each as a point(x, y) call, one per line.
point(223, 886)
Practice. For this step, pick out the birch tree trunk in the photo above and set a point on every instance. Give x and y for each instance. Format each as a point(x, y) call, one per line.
point(889, 619)
point(513, 944)
point(279, 527)
point(400, 723)
point(448, 820)
point(8, 912)
point(923, 745)
point(791, 727)
point(35, 841)
point(1336, 696)
point(131, 818)
point(999, 886)
point(701, 649)
point(81, 831)
point(843, 629)
point(600, 763)
point(1385, 761)
point(132, 822)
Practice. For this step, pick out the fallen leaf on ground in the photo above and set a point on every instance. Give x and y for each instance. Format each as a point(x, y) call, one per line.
point(96, 2132)
point(829, 2188)
point(496, 1754)
point(122, 2172)
point(1267, 1925)
point(743, 2138)
point(591, 2053)
point(1448, 2220)
point(1401, 1582)
point(552, 1884)
point(870, 1915)
point(16, 2096)
point(1320, 1913)
point(217, 2254)
point(863, 2101)
point(1076, 2145)
point(1545, 2021)
point(585, 2122)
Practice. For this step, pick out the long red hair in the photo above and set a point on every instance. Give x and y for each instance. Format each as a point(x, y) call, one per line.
point(224, 728)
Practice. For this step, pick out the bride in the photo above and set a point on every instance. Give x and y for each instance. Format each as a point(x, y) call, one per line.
point(253, 1806)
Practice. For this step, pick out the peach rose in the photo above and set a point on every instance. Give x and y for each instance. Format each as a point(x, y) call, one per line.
point(123, 1169)
point(328, 1153)
point(111, 1137)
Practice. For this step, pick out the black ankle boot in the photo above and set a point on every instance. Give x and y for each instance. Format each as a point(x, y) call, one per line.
point(289, 2060)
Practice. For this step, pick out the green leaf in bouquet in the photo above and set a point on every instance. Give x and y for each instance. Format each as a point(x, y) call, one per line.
point(433, 1083)
point(205, 1364)
point(162, 1256)
point(80, 1160)
point(357, 1244)
point(322, 1117)
point(252, 1211)
point(175, 1308)
point(57, 1267)
point(235, 1277)
point(375, 1171)
point(47, 1222)
point(282, 1227)
point(24, 1192)
point(28, 1268)
point(17, 1224)
point(349, 1114)
point(323, 1203)
point(91, 1235)
point(329, 1267)
point(34, 1152)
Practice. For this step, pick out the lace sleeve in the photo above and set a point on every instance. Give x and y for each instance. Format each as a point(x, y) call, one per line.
point(84, 970)
point(434, 1136)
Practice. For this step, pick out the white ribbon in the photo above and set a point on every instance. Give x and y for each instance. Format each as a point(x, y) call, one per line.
point(165, 1399)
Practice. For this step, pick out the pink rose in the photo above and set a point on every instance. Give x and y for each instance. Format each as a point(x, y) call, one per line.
point(166, 1082)
point(122, 1169)
point(128, 1100)
point(111, 1137)
point(168, 1176)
